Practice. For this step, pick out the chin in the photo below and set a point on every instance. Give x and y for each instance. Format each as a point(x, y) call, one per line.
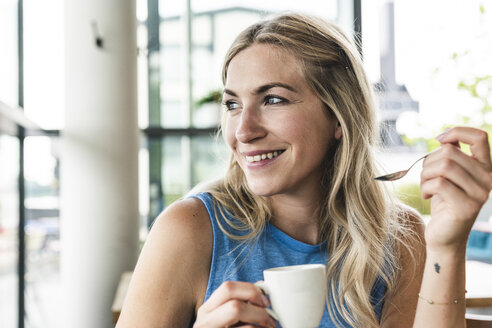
point(263, 189)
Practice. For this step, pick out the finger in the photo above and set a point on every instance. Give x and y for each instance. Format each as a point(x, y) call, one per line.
point(442, 186)
point(229, 290)
point(463, 207)
point(453, 172)
point(242, 313)
point(449, 193)
point(475, 169)
point(477, 139)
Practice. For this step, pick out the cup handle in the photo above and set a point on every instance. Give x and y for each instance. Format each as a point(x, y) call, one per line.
point(261, 285)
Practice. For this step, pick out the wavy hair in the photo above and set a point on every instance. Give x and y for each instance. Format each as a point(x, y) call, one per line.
point(358, 218)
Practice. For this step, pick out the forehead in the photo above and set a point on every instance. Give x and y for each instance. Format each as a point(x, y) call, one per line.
point(262, 63)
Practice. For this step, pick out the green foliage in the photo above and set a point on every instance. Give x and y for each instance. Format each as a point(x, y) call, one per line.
point(430, 144)
point(410, 195)
point(214, 96)
point(478, 88)
point(170, 198)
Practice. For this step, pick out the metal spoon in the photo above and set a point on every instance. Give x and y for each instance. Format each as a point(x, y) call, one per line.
point(400, 174)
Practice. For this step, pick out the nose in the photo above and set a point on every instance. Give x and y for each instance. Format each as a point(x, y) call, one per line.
point(250, 125)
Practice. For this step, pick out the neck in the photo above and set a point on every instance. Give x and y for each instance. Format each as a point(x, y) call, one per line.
point(297, 217)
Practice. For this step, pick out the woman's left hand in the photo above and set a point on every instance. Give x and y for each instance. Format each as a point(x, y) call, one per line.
point(458, 185)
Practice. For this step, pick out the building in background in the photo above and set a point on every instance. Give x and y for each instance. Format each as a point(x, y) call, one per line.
point(393, 98)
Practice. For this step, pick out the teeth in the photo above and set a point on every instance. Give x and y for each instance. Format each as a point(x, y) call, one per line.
point(258, 158)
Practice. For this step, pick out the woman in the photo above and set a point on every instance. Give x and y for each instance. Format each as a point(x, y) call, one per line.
point(300, 121)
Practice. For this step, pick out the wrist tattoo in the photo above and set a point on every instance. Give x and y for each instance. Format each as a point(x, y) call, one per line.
point(437, 267)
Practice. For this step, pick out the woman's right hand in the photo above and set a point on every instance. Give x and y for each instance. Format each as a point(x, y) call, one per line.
point(235, 304)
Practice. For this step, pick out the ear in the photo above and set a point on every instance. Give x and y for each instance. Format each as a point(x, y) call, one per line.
point(338, 132)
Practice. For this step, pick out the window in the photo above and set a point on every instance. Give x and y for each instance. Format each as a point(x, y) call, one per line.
point(9, 230)
point(43, 84)
point(185, 61)
point(9, 57)
point(42, 280)
point(418, 54)
point(179, 65)
point(28, 219)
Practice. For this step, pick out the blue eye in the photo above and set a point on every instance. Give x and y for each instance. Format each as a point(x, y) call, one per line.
point(231, 105)
point(274, 100)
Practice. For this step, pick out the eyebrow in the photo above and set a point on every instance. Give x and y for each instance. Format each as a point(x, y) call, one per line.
point(263, 88)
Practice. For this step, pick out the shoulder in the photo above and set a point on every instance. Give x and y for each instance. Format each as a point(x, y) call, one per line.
point(187, 216)
point(185, 223)
point(409, 212)
point(171, 275)
point(184, 231)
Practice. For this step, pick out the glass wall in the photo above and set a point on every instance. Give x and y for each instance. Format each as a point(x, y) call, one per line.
point(44, 104)
point(38, 59)
point(192, 50)
point(9, 229)
point(210, 158)
point(181, 48)
point(9, 167)
point(44, 94)
point(187, 42)
point(208, 162)
point(9, 57)
point(42, 280)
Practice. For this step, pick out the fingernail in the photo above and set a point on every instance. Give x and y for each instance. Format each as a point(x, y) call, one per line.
point(265, 300)
point(441, 136)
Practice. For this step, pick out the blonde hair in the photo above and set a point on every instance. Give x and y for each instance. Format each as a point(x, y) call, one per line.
point(358, 218)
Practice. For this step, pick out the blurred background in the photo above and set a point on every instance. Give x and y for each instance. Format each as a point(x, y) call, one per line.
point(430, 63)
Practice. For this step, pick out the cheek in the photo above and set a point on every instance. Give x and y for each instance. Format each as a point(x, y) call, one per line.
point(229, 133)
point(296, 128)
point(314, 136)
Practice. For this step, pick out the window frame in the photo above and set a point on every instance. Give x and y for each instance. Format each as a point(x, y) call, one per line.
point(16, 123)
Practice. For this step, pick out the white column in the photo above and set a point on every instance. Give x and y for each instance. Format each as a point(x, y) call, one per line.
point(99, 159)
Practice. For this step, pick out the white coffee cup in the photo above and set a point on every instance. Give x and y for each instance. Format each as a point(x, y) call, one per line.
point(297, 294)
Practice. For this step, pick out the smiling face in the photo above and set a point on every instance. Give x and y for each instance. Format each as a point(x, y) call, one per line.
point(278, 129)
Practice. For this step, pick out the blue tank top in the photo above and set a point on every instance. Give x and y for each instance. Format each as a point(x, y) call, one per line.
point(233, 260)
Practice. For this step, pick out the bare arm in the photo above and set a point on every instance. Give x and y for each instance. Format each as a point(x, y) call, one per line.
point(401, 303)
point(443, 283)
point(171, 276)
point(458, 185)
